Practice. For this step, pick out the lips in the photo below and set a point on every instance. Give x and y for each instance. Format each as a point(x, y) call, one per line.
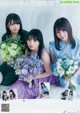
point(62, 37)
point(15, 30)
point(31, 46)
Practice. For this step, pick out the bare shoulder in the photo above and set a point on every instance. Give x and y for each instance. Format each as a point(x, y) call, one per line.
point(45, 55)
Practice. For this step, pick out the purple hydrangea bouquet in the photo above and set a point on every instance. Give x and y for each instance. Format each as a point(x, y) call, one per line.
point(28, 67)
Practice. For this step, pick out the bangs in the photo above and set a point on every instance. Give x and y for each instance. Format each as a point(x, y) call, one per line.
point(61, 28)
point(61, 25)
point(11, 22)
point(32, 37)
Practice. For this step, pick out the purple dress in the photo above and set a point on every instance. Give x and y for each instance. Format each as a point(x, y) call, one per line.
point(25, 91)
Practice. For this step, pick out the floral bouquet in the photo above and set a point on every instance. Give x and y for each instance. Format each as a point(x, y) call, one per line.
point(65, 66)
point(10, 49)
point(28, 67)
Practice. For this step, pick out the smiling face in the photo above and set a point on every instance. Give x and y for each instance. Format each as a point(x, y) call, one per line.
point(33, 44)
point(5, 94)
point(10, 93)
point(62, 35)
point(14, 27)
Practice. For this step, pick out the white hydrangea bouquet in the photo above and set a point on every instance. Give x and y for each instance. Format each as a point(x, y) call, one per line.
point(65, 66)
point(10, 49)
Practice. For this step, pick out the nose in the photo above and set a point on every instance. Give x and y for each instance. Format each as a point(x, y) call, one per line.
point(61, 34)
point(15, 25)
point(32, 41)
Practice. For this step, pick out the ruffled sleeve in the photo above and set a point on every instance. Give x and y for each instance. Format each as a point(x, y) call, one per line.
point(77, 48)
point(52, 48)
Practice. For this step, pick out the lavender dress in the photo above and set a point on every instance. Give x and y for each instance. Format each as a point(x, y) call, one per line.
point(25, 91)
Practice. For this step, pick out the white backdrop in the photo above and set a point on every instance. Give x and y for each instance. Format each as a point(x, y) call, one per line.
point(41, 16)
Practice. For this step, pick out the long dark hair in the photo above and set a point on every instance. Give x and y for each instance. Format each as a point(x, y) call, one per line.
point(43, 85)
point(3, 96)
point(63, 24)
point(12, 93)
point(36, 35)
point(16, 20)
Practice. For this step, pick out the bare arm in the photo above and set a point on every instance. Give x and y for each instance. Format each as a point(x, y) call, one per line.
point(51, 56)
point(46, 61)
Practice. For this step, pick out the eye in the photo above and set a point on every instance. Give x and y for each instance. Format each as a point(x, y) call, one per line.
point(35, 40)
point(29, 39)
point(58, 32)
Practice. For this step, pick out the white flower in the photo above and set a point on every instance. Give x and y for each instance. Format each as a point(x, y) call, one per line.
point(24, 71)
point(19, 59)
point(9, 49)
point(67, 72)
point(18, 71)
point(13, 46)
point(3, 46)
point(58, 64)
point(75, 63)
point(71, 62)
point(66, 66)
point(60, 60)
point(61, 71)
point(13, 53)
point(71, 68)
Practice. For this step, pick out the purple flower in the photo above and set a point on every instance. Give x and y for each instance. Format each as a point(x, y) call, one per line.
point(30, 67)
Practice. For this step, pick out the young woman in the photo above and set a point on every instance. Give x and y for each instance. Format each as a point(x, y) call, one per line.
point(35, 45)
point(5, 96)
point(64, 43)
point(44, 89)
point(12, 94)
point(13, 29)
